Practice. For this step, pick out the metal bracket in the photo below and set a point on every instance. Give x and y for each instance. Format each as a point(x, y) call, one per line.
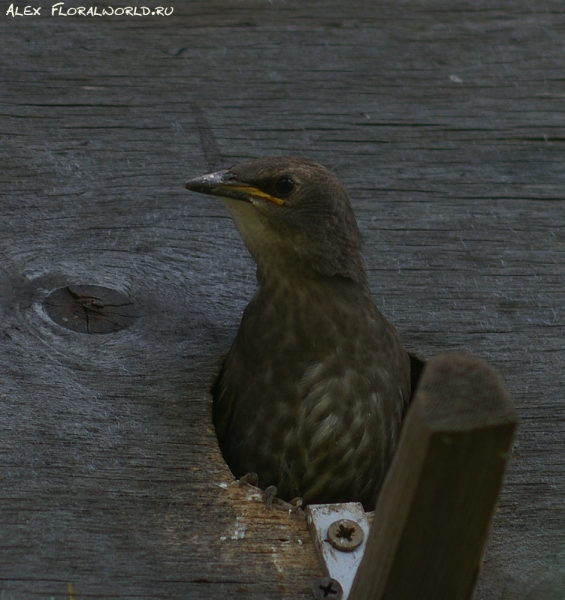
point(340, 534)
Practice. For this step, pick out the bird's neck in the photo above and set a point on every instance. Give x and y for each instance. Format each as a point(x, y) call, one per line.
point(277, 269)
point(293, 283)
point(297, 257)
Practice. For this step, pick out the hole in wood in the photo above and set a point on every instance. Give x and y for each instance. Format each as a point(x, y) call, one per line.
point(91, 309)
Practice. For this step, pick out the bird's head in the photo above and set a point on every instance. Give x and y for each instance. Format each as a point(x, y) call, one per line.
point(293, 215)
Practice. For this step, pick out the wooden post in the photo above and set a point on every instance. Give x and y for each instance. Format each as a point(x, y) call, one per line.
point(435, 507)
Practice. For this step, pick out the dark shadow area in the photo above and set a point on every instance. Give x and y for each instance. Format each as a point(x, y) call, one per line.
point(416, 368)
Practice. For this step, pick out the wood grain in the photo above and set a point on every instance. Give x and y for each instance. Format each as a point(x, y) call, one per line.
point(446, 124)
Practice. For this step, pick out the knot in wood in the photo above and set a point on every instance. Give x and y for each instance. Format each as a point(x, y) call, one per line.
point(91, 309)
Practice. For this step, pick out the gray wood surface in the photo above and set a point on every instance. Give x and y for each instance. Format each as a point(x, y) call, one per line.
point(446, 123)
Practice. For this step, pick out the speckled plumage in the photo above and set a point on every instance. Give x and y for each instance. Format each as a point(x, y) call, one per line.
point(313, 390)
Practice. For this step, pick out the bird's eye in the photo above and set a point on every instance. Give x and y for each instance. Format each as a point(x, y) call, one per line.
point(284, 186)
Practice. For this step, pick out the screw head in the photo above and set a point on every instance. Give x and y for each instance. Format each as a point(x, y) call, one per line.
point(345, 535)
point(327, 588)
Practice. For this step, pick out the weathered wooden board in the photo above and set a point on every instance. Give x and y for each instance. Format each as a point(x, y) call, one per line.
point(447, 125)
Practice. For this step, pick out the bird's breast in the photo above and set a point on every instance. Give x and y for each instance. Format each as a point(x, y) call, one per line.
point(314, 375)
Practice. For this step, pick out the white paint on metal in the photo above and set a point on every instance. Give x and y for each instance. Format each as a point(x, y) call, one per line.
point(337, 564)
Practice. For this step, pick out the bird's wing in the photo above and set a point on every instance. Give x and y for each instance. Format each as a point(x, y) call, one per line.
point(348, 422)
point(224, 403)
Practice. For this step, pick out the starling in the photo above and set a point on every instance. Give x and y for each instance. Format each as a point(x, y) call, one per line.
point(312, 393)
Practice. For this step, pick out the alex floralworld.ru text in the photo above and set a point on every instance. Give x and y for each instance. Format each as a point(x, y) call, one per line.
point(59, 10)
